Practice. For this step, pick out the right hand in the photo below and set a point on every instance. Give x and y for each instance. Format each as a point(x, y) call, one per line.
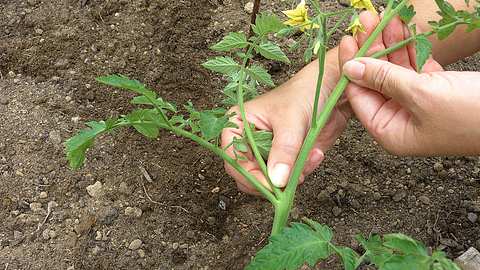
point(433, 113)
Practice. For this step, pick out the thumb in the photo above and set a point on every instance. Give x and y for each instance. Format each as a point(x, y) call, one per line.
point(287, 141)
point(386, 78)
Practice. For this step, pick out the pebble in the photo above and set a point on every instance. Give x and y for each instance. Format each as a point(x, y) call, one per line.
point(4, 100)
point(424, 200)
point(43, 195)
point(17, 235)
point(440, 189)
point(190, 234)
point(95, 190)
point(107, 215)
point(175, 246)
point(55, 137)
point(201, 177)
point(124, 189)
point(98, 236)
point(96, 250)
point(248, 7)
point(472, 217)
point(141, 253)
point(216, 190)
point(49, 234)
point(36, 207)
point(336, 211)
point(438, 167)
point(135, 244)
point(399, 196)
point(133, 212)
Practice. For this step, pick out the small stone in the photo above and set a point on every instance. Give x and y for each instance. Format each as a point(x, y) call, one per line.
point(336, 211)
point(141, 253)
point(96, 250)
point(201, 177)
point(98, 236)
point(43, 195)
point(95, 190)
point(135, 244)
point(399, 196)
point(424, 200)
point(124, 189)
point(36, 207)
point(438, 167)
point(440, 189)
point(216, 190)
point(17, 235)
point(107, 215)
point(472, 217)
point(55, 137)
point(49, 234)
point(175, 246)
point(190, 234)
point(133, 212)
point(39, 31)
point(4, 100)
point(248, 7)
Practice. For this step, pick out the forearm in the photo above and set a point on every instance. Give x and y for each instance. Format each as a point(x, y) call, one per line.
point(459, 45)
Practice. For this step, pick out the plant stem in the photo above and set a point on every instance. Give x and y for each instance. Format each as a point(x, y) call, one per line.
point(321, 66)
point(325, 116)
point(213, 148)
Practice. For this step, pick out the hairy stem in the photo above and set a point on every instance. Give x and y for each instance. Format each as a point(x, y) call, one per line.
point(324, 116)
point(321, 66)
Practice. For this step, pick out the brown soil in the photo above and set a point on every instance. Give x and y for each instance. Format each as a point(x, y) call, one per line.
point(50, 53)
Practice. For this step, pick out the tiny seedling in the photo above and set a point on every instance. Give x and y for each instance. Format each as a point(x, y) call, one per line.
point(291, 246)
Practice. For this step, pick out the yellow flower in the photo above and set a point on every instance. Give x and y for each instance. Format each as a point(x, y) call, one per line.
point(299, 17)
point(356, 26)
point(363, 4)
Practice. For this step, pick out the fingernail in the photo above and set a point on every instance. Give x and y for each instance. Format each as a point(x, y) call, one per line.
point(279, 174)
point(354, 69)
point(317, 156)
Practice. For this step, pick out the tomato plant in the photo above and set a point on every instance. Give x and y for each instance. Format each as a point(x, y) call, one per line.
point(292, 246)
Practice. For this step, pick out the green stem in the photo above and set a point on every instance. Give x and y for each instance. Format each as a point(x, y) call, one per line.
point(218, 151)
point(246, 125)
point(321, 66)
point(325, 116)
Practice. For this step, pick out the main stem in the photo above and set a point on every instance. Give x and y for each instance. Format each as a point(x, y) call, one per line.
point(286, 200)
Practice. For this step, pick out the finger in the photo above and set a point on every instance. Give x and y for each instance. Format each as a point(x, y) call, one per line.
point(347, 49)
point(393, 34)
point(288, 136)
point(386, 78)
point(370, 21)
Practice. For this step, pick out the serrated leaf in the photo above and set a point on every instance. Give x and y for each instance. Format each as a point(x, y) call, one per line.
point(295, 246)
point(263, 139)
point(222, 64)
point(349, 257)
point(403, 262)
point(240, 145)
point(212, 122)
point(272, 51)
point(374, 249)
point(446, 9)
point(267, 23)
point(234, 40)
point(143, 100)
point(145, 121)
point(260, 75)
point(423, 48)
point(77, 146)
point(404, 244)
point(123, 82)
point(406, 13)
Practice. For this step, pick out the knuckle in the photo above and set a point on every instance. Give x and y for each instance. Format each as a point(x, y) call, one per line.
point(382, 78)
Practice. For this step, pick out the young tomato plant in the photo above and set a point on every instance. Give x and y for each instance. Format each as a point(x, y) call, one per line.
point(292, 246)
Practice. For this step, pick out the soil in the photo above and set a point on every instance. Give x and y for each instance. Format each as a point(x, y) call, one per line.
point(190, 214)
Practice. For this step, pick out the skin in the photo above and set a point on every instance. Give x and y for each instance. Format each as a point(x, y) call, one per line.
point(294, 100)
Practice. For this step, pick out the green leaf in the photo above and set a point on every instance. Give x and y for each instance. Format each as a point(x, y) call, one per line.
point(406, 13)
point(404, 244)
point(446, 9)
point(424, 50)
point(143, 100)
point(77, 146)
point(263, 139)
point(212, 122)
point(234, 40)
point(272, 51)
point(145, 121)
point(222, 64)
point(374, 250)
point(403, 262)
point(266, 23)
point(240, 145)
point(123, 82)
point(295, 246)
point(260, 75)
point(349, 257)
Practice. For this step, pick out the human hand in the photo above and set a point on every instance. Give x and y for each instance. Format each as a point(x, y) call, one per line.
point(433, 113)
point(287, 112)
